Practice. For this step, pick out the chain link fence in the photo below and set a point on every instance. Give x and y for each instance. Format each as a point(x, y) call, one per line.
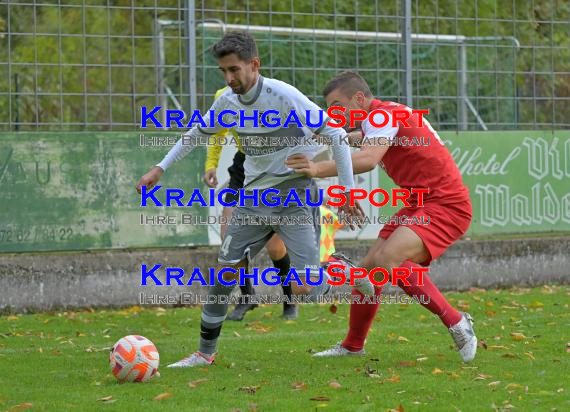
point(71, 65)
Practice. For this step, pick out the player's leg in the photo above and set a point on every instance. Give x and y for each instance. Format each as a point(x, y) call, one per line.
point(405, 248)
point(241, 243)
point(226, 213)
point(422, 244)
point(361, 315)
point(408, 245)
point(237, 177)
point(213, 316)
point(384, 253)
point(246, 288)
point(278, 254)
point(302, 242)
point(447, 223)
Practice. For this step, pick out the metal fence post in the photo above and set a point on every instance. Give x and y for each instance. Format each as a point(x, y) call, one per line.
point(462, 87)
point(191, 54)
point(407, 50)
point(160, 59)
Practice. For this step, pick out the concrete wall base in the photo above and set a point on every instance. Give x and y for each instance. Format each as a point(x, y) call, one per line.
point(47, 281)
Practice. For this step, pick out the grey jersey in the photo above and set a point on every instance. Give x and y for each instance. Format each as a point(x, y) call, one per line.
point(265, 165)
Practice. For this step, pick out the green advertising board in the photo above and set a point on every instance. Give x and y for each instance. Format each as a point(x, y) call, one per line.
point(64, 191)
point(519, 181)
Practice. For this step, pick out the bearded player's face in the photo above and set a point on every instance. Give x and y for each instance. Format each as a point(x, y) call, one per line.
point(338, 98)
point(239, 75)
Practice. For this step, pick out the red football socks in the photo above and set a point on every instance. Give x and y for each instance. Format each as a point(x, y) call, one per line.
point(361, 318)
point(362, 315)
point(429, 296)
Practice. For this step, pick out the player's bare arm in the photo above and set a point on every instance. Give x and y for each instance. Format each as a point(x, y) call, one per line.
point(150, 179)
point(363, 161)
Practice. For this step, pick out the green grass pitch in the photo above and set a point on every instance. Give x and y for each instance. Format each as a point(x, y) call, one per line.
point(59, 361)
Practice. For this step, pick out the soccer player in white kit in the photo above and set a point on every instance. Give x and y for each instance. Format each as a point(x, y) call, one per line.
point(265, 168)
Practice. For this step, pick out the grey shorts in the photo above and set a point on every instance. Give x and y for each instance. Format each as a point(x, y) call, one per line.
point(244, 241)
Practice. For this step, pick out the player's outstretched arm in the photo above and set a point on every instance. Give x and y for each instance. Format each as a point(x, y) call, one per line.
point(304, 108)
point(182, 148)
point(177, 152)
point(150, 179)
point(362, 161)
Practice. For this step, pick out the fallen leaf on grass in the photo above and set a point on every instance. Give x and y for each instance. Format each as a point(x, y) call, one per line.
point(512, 386)
point(400, 408)
point(437, 371)
point(517, 336)
point(320, 398)
point(494, 384)
point(162, 396)
point(482, 377)
point(258, 327)
point(530, 355)
point(496, 347)
point(197, 382)
point(402, 339)
point(406, 364)
point(510, 355)
point(393, 379)
point(482, 344)
point(236, 334)
point(134, 309)
point(335, 385)
point(21, 406)
point(463, 305)
point(299, 386)
point(249, 389)
point(536, 304)
point(105, 399)
point(333, 308)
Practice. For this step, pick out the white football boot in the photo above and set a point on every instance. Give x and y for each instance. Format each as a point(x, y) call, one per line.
point(196, 359)
point(338, 350)
point(363, 285)
point(464, 337)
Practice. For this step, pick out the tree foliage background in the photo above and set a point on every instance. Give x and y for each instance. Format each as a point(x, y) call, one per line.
point(98, 58)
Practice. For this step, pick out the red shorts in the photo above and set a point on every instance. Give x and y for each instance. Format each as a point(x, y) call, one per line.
point(447, 223)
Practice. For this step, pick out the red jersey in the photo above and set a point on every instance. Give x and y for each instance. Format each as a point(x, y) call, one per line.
point(417, 158)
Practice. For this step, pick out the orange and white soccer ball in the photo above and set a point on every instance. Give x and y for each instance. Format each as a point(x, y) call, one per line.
point(134, 358)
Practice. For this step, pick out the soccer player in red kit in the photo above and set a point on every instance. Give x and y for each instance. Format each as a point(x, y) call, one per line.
point(428, 165)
